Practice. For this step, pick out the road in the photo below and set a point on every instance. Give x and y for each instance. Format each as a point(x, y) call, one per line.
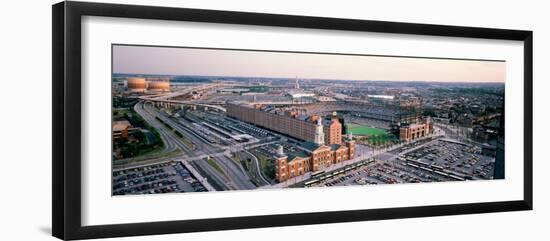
point(235, 177)
point(188, 153)
point(150, 119)
point(168, 98)
point(169, 150)
point(258, 169)
point(173, 142)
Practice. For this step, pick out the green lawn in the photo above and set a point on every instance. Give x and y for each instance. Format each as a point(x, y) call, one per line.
point(215, 165)
point(267, 165)
point(364, 130)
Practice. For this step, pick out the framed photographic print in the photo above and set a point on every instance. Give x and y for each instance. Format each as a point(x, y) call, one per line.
point(170, 120)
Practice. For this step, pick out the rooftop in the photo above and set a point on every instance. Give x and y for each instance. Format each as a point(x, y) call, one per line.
point(121, 125)
point(294, 154)
point(335, 147)
point(310, 146)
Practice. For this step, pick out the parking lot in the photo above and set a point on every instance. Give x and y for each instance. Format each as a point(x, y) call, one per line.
point(454, 157)
point(442, 161)
point(379, 172)
point(166, 177)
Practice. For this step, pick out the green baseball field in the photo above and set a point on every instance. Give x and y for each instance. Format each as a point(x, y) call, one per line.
point(362, 130)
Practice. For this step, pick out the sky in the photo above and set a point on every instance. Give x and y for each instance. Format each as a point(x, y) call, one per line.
point(219, 62)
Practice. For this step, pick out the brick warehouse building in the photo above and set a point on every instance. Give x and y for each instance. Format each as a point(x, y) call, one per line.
point(311, 158)
point(322, 148)
point(413, 131)
point(333, 130)
point(288, 123)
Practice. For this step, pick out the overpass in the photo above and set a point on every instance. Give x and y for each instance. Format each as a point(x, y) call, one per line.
point(204, 87)
point(164, 102)
point(167, 99)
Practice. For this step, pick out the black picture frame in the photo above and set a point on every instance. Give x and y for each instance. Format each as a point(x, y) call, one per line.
point(66, 127)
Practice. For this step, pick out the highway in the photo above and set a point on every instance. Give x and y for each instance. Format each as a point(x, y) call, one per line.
point(168, 98)
point(235, 177)
point(149, 114)
point(166, 153)
point(150, 119)
point(258, 169)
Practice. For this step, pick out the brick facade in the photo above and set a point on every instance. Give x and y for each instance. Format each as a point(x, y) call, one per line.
point(287, 125)
point(415, 131)
point(318, 159)
point(333, 131)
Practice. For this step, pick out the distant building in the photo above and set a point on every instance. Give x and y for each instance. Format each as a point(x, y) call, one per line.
point(412, 101)
point(387, 97)
point(158, 85)
point(121, 129)
point(140, 84)
point(233, 90)
point(417, 130)
point(300, 96)
point(136, 84)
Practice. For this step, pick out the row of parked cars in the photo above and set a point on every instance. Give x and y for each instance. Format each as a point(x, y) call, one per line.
point(189, 178)
point(381, 172)
point(150, 179)
point(460, 158)
point(161, 186)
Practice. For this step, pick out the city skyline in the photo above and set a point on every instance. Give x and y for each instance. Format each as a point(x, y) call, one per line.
point(218, 62)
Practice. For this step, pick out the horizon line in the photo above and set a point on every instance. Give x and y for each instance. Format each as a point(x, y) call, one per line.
point(322, 79)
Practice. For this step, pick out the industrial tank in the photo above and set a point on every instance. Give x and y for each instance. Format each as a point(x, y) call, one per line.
point(136, 84)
